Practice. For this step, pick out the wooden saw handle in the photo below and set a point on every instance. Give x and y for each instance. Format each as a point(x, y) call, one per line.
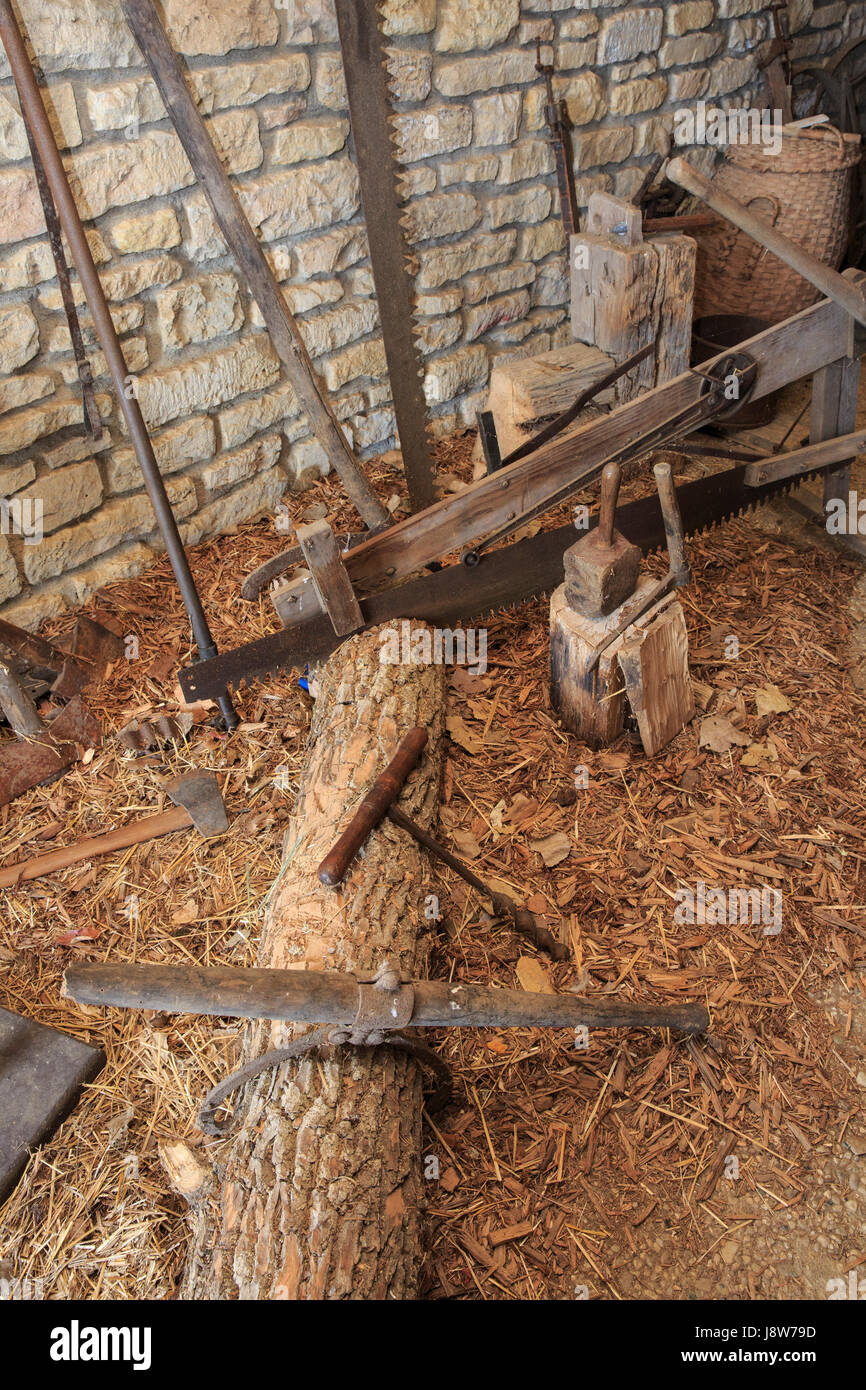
point(385, 789)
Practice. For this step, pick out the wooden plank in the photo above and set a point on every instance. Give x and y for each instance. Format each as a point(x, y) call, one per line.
point(791, 465)
point(168, 75)
point(654, 660)
point(332, 583)
point(796, 347)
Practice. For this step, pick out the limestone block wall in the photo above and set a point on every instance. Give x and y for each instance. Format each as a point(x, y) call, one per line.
point(482, 212)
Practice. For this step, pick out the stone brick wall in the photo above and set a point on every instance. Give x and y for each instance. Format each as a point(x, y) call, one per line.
point(482, 212)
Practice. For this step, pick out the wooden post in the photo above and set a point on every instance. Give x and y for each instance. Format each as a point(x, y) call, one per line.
point(625, 292)
point(834, 412)
point(592, 709)
point(320, 1185)
point(645, 669)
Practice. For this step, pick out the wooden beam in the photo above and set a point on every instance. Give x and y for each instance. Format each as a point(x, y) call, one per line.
point(798, 461)
point(834, 413)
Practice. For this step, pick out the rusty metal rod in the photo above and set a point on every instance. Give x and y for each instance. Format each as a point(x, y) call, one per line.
point(33, 108)
point(524, 921)
point(312, 996)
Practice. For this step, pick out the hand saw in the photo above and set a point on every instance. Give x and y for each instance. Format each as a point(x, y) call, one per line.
point(522, 570)
point(364, 67)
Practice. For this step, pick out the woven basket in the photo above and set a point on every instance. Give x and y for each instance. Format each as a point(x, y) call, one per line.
point(804, 191)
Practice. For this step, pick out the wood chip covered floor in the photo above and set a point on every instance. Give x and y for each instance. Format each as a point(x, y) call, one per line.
point(642, 1167)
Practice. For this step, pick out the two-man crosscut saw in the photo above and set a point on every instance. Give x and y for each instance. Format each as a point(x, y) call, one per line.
point(525, 569)
point(794, 348)
point(364, 67)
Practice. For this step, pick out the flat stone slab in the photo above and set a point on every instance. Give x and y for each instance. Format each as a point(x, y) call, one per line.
point(42, 1072)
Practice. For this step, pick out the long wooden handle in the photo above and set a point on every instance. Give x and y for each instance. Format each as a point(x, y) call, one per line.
point(673, 522)
point(149, 828)
point(828, 281)
point(385, 789)
point(167, 73)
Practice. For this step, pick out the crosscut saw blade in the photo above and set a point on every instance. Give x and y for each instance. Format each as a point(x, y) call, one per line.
point(364, 66)
point(518, 571)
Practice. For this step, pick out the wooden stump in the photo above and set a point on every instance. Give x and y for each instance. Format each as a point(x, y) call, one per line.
point(646, 668)
point(596, 715)
point(316, 1192)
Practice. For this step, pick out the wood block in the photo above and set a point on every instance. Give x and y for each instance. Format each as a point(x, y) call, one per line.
point(594, 710)
point(624, 296)
point(330, 576)
point(653, 657)
point(532, 388)
point(605, 213)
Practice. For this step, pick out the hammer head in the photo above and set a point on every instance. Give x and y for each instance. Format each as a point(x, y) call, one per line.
point(599, 577)
point(199, 795)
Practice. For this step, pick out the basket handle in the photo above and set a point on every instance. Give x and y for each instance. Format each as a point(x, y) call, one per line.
point(754, 253)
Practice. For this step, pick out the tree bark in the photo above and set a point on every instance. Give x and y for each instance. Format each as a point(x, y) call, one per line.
point(318, 1188)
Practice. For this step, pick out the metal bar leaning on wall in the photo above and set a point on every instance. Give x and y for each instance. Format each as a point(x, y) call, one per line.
point(33, 108)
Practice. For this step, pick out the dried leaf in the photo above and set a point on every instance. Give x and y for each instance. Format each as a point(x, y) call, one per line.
point(460, 733)
point(522, 809)
point(720, 735)
point(533, 977)
point(186, 914)
point(78, 934)
point(760, 755)
point(466, 844)
point(553, 848)
point(467, 683)
point(770, 700)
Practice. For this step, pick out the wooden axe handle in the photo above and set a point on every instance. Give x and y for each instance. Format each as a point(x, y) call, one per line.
point(133, 834)
point(385, 789)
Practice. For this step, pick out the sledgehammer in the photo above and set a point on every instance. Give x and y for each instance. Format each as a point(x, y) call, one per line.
point(378, 803)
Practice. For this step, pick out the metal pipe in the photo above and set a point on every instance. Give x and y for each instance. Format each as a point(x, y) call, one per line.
point(34, 110)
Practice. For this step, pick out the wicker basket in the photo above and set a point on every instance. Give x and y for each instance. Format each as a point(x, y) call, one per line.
point(805, 192)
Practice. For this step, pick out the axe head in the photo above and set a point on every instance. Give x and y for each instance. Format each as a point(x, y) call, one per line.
point(199, 795)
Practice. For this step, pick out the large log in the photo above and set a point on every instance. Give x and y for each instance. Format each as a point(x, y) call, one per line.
point(317, 1191)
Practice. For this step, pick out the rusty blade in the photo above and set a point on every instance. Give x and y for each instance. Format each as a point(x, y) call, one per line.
point(27, 763)
point(370, 112)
